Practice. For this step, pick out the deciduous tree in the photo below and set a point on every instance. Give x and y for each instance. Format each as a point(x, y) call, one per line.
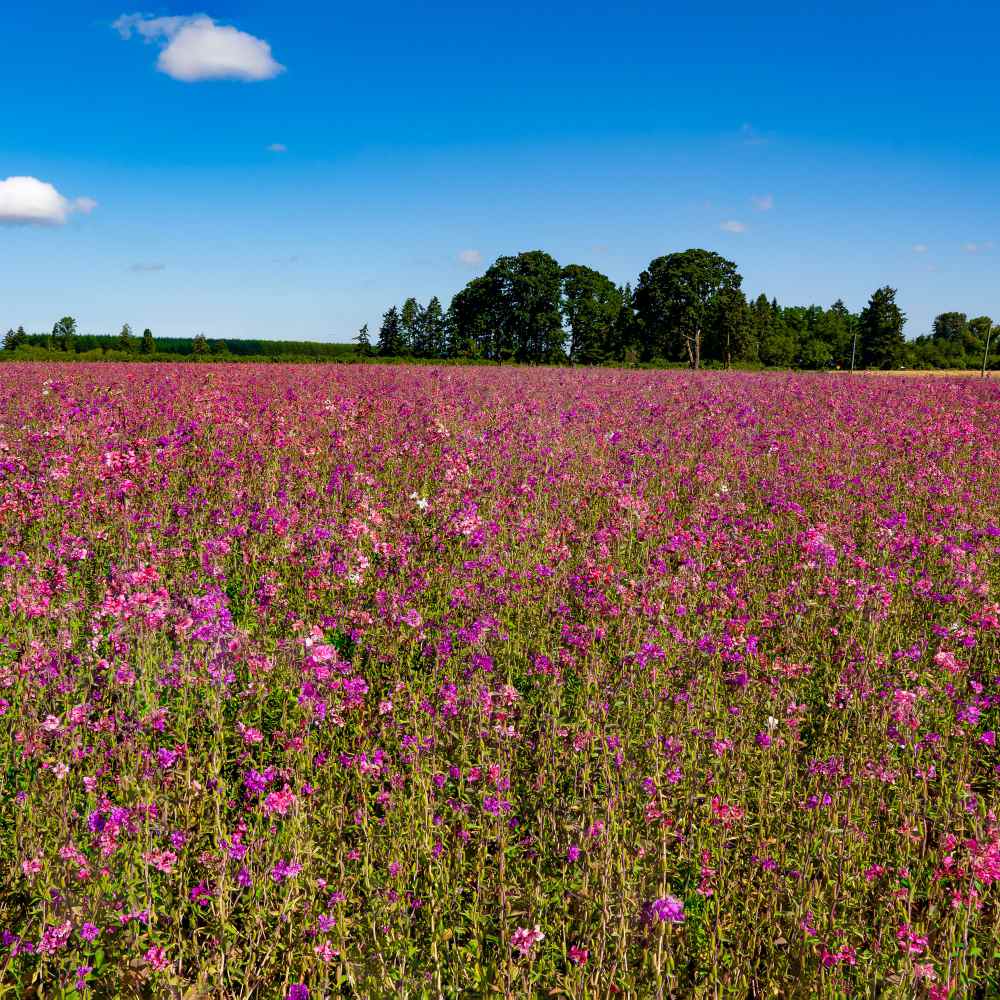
point(673, 301)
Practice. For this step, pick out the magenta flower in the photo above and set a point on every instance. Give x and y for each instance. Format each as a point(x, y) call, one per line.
point(669, 909)
point(524, 940)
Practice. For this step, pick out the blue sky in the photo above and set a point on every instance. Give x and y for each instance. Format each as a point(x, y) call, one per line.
point(825, 152)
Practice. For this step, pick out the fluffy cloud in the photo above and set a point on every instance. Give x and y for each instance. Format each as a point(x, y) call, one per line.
point(29, 201)
point(763, 202)
point(732, 226)
point(196, 48)
point(920, 248)
point(978, 247)
point(277, 147)
point(470, 257)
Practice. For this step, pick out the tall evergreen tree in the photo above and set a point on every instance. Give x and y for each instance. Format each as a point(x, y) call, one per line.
point(409, 326)
point(125, 339)
point(881, 330)
point(390, 338)
point(364, 342)
point(147, 345)
point(432, 330)
point(199, 346)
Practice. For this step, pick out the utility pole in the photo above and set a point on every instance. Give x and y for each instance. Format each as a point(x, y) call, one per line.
point(986, 353)
point(854, 348)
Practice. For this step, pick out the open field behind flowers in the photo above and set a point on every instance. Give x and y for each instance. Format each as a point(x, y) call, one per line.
point(425, 682)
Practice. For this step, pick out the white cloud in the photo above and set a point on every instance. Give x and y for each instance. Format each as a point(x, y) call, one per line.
point(196, 48)
point(732, 226)
point(470, 257)
point(920, 248)
point(277, 147)
point(29, 201)
point(763, 202)
point(978, 247)
point(146, 268)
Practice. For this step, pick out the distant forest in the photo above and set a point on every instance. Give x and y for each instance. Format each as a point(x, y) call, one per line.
point(64, 342)
point(686, 308)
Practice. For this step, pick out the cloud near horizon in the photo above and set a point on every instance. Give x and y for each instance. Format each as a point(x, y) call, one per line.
point(470, 257)
point(29, 201)
point(196, 48)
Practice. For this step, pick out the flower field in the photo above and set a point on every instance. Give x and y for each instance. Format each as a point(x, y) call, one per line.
point(373, 681)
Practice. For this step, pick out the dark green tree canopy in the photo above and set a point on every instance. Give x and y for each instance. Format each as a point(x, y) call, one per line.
point(729, 334)
point(591, 304)
point(364, 342)
point(125, 339)
point(950, 326)
point(881, 330)
point(63, 333)
point(410, 318)
point(429, 336)
point(390, 336)
point(674, 298)
point(511, 312)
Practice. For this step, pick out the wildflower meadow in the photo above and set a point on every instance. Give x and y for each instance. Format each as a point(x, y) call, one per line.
point(427, 682)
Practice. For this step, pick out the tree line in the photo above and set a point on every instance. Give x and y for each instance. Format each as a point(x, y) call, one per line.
point(687, 308)
point(65, 340)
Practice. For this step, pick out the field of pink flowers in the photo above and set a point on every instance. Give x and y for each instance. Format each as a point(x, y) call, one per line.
point(401, 681)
